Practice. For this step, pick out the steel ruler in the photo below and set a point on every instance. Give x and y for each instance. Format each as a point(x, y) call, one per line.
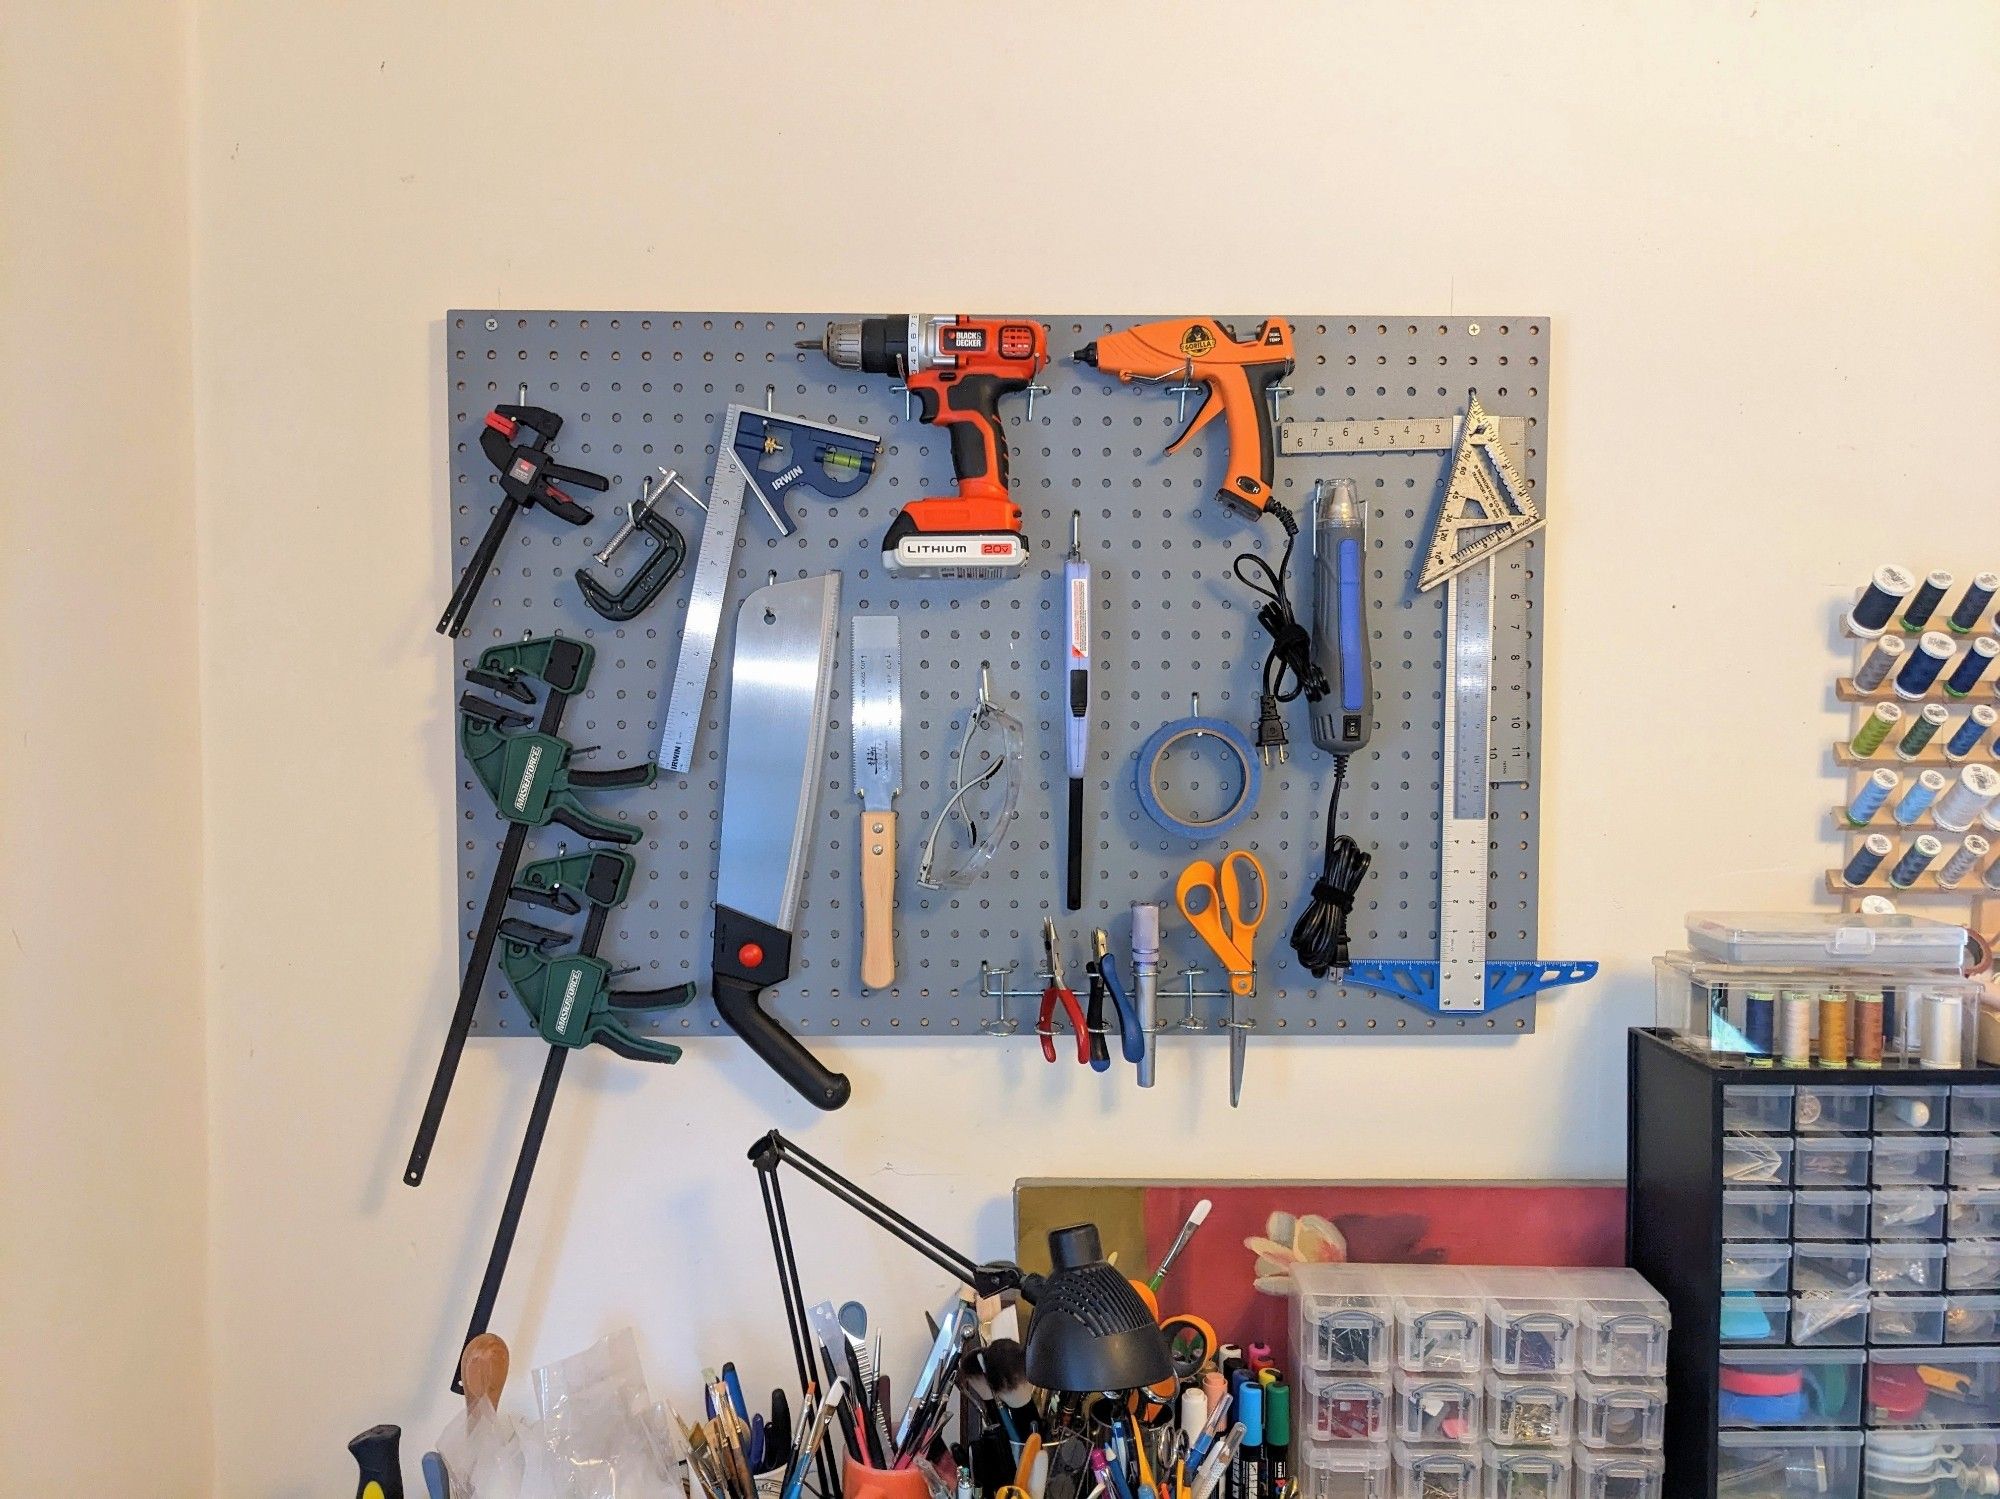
point(1485, 719)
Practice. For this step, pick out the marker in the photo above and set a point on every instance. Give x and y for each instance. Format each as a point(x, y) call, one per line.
point(1277, 1440)
point(1249, 1458)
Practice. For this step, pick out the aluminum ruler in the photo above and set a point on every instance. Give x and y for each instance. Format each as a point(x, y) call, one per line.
point(1485, 722)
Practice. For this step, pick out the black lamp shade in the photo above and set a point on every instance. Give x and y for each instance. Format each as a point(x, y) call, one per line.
point(1091, 1331)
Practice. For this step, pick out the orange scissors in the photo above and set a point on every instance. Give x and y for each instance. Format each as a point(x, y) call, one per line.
point(1212, 901)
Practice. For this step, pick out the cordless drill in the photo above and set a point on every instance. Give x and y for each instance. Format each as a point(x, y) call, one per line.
point(1238, 375)
point(958, 368)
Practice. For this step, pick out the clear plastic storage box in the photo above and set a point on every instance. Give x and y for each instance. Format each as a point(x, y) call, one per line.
point(1757, 1108)
point(1756, 1161)
point(1930, 1464)
point(1760, 1269)
point(1436, 1409)
point(1437, 1472)
point(1525, 1472)
point(1912, 1268)
point(1975, 1109)
point(1617, 1473)
point(1790, 1387)
point(1975, 1161)
point(1344, 1470)
point(1622, 1324)
point(1910, 1108)
point(1752, 1320)
point(1909, 1161)
point(1830, 1213)
point(1620, 1412)
point(1529, 1410)
point(1934, 1387)
point(1824, 941)
point(1346, 1407)
point(1342, 1317)
point(1907, 1213)
point(1972, 1213)
point(1837, 1268)
point(1761, 1213)
point(1831, 1160)
point(1708, 1006)
point(1831, 1108)
point(1904, 1321)
point(1830, 1319)
point(1973, 1317)
point(1790, 1464)
point(1441, 1322)
point(1972, 1265)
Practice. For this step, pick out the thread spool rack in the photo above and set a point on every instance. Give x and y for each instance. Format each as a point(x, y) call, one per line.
point(1982, 902)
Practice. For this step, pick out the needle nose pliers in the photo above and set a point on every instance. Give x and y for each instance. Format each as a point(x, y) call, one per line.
point(1059, 992)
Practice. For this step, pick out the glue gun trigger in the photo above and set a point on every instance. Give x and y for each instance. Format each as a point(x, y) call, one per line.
point(1208, 411)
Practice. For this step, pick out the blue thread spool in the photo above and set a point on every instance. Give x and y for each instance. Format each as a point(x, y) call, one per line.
point(1877, 789)
point(1978, 594)
point(1923, 728)
point(1877, 605)
point(1924, 790)
point(1884, 658)
point(1867, 859)
point(1922, 665)
point(1760, 1022)
point(1965, 738)
point(1972, 666)
point(1923, 603)
point(1916, 859)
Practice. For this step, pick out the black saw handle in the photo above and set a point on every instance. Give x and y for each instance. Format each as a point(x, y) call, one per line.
point(750, 956)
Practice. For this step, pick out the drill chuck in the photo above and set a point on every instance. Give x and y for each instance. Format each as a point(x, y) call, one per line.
point(842, 344)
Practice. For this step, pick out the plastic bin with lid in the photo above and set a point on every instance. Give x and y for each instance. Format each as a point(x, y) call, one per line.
point(1950, 1464)
point(1757, 1108)
point(1837, 942)
point(1341, 1317)
point(1759, 1269)
point(1830, 1319)
point(1829, 1267)
point(1831, 1160)
point(1436, 1472)
point(1620, 1412)
point(1971, 1317)
point(1972, 1265)
point(1912, 1268)
point(1530, 1410)
point(1952, 1386)
point(1429, 1409)
point(1975, 1108)
point(1344, 1470)
point(1909, 1161)
point(1751, 1320)
point(1345, 1407)
point(1784, 1464)
point(1617, 1473)
point(1906, 1320)
point(1757, 1213)
point(1530, 1329)
point(1907, 1213)
point(1975, 1161)
point(1525, 1472)
point(1910, 1108)
point(1830, 1213)
point(1622, 1323)
point(1832, 1108)
point(1972, 1213)
point(1756, 1160)
point(1789, 1387)
point(1440, 1322)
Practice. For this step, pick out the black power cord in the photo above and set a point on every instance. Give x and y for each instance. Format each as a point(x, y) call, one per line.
point(1289, 669)
point(1319, 936)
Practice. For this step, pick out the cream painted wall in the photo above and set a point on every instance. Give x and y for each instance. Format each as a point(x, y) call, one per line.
point(1766, 237)
point(103, 1163)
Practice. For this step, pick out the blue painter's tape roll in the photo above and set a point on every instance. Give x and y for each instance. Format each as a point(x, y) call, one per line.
point(1146, 776)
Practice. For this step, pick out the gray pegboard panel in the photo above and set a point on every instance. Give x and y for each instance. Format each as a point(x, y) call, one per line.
point(640, 389)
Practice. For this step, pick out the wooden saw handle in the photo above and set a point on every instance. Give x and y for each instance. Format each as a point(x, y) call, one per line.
point(878, 899)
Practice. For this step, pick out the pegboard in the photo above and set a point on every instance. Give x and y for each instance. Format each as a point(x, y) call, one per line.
point(639, 390)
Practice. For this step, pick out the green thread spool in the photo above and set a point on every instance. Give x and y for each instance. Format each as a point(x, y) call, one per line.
point(1875, 728)
point(1922, 730)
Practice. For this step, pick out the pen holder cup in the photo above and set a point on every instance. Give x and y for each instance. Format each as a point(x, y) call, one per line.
point(859, 1481)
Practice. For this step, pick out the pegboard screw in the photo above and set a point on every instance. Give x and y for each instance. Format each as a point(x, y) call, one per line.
point(521, 394)
point(492, 324)
point(1034, 390)
point(904, 392)
point(1472, 329)
point(1277, 394)
point(1182, 390)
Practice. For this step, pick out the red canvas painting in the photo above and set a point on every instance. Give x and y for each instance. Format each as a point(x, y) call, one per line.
point(1235, 1273)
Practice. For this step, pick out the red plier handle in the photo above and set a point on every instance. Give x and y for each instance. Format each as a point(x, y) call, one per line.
point(1045, 1027)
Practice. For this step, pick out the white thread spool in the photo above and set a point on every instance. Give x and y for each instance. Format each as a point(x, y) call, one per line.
point(1877, 905)
point(1963, 858)
point(1973, 793)
point(1944, 1031)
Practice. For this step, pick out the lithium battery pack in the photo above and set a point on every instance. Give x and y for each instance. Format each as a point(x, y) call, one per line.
point(908, 550)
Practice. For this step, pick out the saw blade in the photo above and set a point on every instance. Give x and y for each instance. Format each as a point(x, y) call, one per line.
point(875, 706)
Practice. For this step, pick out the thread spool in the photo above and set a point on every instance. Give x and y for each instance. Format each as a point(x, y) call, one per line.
point(1892, 1020)
point(1867, 1018)
point(1977, 725)
point(1992, 876)
point(1867, 859)
point(1921, 667)
point(1922, 730)
point(1972, 666)
point(1878, 602)
point(1924, 790)
point(1990, 818)
point(1973, 793)
point(1916, 859)
point(1943, 1042)
point(1877, 905)
point(1885, 657)
point(1874, 729)
point(1967, 854)
point(1978, 594)
point(1923, 603)
point(1760, 1024)
point(1795, 1025)
point(1877, 789)
point(1834, 1019)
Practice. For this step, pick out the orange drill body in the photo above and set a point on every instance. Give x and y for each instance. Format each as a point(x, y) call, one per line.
point(958, 369)
point(1237, 374)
